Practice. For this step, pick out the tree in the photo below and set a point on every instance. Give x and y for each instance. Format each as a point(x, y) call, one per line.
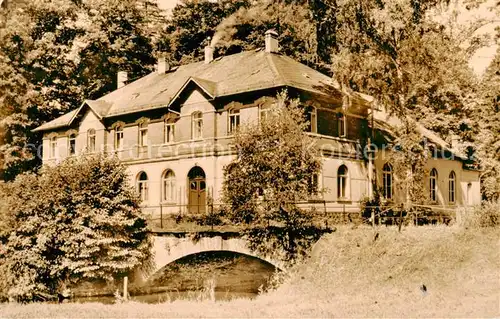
point(54, 54)
point(488, 118)
point(273, 172)
point(236, 26)
point(76, 221)
point(396, 52)
point(191, 24)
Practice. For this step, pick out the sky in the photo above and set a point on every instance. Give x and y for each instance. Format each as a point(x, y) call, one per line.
point(166, 5)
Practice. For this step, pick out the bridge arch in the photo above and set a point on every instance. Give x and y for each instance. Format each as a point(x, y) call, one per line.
point(168, 249)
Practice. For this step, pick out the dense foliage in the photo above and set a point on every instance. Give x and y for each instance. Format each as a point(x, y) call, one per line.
point(54, 54)
point(273, 172)
point(488, 138)
point(76, 221)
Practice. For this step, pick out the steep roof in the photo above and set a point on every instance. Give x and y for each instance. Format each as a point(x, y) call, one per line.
point(59, 122)
point(238, 73)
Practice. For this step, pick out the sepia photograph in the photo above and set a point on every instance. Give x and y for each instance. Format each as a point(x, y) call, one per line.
point(249, 159)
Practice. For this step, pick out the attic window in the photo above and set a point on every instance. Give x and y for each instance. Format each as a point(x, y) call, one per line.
point(306, 75)
point(136, 95)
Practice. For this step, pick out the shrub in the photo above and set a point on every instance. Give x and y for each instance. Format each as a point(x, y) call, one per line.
point(486, 215)
point(76, 221)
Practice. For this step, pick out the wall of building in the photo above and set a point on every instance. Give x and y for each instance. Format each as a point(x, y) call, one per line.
point(468, 190)
point(213, 151)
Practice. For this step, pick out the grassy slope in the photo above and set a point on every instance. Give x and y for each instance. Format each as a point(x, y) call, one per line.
point(350, 275)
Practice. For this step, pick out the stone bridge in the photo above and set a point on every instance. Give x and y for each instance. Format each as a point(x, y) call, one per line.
point(168, 247)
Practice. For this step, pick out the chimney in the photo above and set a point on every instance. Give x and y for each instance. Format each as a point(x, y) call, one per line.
point(163, 65)
point(209, 54)
point(121, 79)
point(271, 41)
point(455, 140)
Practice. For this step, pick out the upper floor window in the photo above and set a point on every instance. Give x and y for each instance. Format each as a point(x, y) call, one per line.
point(53, 146)
point(197, 125)
point(169, 132)
point(433, 185)
point(234, 120)
point(342, 180)
point(452, 187)
point(342, 123)
point(312, 117)
point(72, 144)
point(91, 140)
point(119, 138)
point(313, 183)
point(143, 134)
point(387, 181)
point(264, 112)
point(168, 186)
point(142, 186)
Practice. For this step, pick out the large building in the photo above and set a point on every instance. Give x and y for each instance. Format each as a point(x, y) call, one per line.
point(173, 129)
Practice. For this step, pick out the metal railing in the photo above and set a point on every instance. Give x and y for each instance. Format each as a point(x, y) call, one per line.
point(182, 217)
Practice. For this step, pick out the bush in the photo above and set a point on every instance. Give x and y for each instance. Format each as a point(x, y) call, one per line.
point(76, 221)
point(486, 215)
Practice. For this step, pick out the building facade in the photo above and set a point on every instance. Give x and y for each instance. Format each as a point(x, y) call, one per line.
point(173, 129)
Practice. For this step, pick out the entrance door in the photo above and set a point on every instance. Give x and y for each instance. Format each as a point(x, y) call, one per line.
point(197, 190)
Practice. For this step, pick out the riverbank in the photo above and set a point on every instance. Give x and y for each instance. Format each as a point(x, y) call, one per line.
point(351, 273)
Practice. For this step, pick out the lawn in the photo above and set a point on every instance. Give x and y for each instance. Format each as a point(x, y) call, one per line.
point(350, 274)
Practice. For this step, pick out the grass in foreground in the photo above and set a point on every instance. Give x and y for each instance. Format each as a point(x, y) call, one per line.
point(350, 274)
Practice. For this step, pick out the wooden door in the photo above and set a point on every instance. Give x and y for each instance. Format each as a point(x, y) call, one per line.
point(197, 195)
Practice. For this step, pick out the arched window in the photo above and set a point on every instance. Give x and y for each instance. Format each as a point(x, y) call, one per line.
point(452, 187)
point(342, 180)
point(142, 186)
point(72, 144)
point(91, 140)
point(433, 185)
point(233, 121)
point(342, 123)
point(53, 146)
point(387, 180)
point(168, 185)
point(197, 125)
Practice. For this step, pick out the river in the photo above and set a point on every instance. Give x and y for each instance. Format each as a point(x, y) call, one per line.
point(229, 275)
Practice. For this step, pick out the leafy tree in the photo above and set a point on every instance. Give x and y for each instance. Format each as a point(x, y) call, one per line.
point(273, 172)
point(54, 54)
point(488, 137)
point(396, 52)
point(76, 221)
point(236, 26)
point(192, 23)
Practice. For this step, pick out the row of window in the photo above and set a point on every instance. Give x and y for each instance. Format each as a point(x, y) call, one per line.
point(196, 131)
point(312, 117)
point(388, 189)
point(91, 143)
point(167, 186)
